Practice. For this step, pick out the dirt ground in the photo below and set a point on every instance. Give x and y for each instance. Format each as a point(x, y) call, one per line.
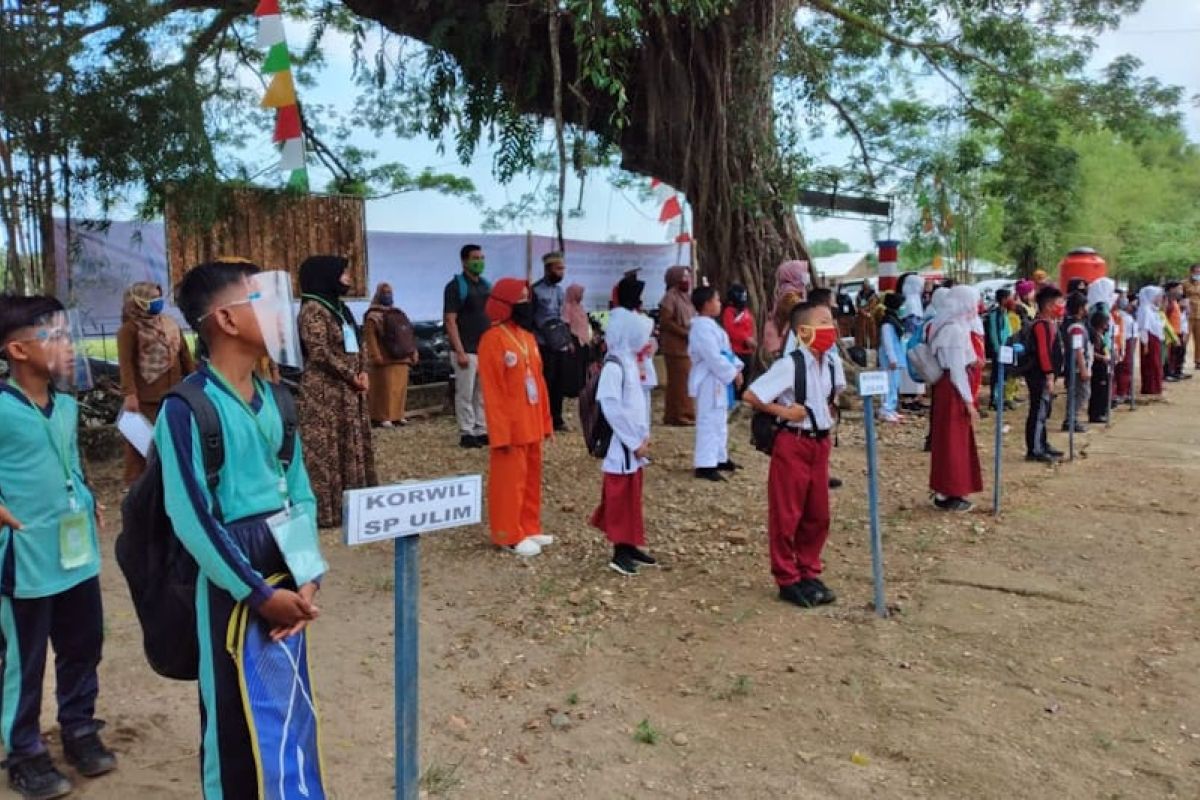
point(1051, 654)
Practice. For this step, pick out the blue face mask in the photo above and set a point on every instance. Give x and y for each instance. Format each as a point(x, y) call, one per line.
point(156, 307)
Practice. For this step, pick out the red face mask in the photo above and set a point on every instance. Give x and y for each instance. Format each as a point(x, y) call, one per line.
point(1060, 311)
point(819, 339)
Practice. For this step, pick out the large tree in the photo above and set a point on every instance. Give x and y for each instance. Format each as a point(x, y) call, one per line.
point(716, 97)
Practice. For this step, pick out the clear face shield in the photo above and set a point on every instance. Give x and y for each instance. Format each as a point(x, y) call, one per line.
point(271, 301)
point(60, 337)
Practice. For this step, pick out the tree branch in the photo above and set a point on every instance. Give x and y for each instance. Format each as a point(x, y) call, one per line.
point(847, 118)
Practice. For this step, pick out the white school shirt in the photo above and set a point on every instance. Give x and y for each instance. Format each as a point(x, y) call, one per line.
point(712, 371)
point(777, 385)
point(623, 401)
point(839, 370)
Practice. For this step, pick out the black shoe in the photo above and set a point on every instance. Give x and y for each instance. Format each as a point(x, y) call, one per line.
point(803, 594)
point(827, 595)
point(36, 778)
point(728, 466)
point(1043, 458)
point(623, 564)
point(710, 474)
point(1186, 376)
point(954, 504)
point(1056, 453)
point(468, 442)
point(641, 557)
point(88, 755)
point(481, 441)
point(835, 483)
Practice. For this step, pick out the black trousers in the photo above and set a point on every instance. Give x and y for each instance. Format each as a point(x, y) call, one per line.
point(1098, 403)
point(1041, 403)
point(73, 621)
point(554, 369)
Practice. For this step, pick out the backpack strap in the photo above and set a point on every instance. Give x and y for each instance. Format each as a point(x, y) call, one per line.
point(286, 403)
point(800, 384)
point(611, 359)
point(212, 442)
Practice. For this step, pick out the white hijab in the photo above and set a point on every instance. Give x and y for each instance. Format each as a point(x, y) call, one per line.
point(1102, 290)
point(1149, 321)
point(626, 335)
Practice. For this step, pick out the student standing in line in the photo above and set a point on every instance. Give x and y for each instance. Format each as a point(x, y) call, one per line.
point(798, 480)
point(463, 302)
point(622, 401)
point(1123, 346)
point(1191, 291)
point(891, 355)
point(715, 374)
point(1077, 330)
point(254, 540)
point(824, 296)
point(50, 587)
point(1152, 332)
point(1041, 379)
point(998, 332)
point(738, 322)
point(152, 356)
point(954, 471)
point(518, 420)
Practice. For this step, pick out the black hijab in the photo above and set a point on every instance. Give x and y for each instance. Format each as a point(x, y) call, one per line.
point(629, 293)
point(320, 280)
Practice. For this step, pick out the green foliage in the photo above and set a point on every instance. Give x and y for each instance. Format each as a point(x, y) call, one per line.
point(818, 248)
point(645, 733)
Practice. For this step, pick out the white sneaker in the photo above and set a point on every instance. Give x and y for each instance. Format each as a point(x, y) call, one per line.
point(541, 539)
point(527, 548)
point(386, 424)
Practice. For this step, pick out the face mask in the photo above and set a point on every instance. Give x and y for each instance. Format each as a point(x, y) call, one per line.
point(554, 280)
point(1060, 311)
point(386, 299)
point(522, 315)
point(156, 307)
point(475, 266)
point(818, 339)
point(1196, 278)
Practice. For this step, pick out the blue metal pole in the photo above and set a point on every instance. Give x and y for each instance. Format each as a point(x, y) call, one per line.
point(873, 501)
point(999, 380)
point(407, 591)
point(1071, 398)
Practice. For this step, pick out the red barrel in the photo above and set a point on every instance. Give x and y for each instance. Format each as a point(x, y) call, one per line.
point(889, 251)
point(1083, 262)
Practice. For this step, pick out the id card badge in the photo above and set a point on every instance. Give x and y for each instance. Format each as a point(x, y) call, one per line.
point(296, 536)
point(531, 389)
point(349, 338)
point(75, 547)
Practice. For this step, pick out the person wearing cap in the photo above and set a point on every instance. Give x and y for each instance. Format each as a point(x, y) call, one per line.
point(552, 332)
point(518, 419)
point(675, 314)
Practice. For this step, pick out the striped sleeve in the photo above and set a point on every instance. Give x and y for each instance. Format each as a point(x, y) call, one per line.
point(189, 505)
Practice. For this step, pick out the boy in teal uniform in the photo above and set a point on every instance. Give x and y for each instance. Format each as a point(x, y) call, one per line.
point(49, 558)
point(250, 544)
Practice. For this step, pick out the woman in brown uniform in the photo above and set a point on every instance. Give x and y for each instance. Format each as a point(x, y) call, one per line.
point(152, 356)
point(333, 415)
point(675, 314)
point(391, 351)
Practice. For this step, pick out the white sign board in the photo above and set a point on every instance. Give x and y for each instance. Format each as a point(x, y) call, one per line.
point(408, 509)
point(1007, 355)
point(872, 384)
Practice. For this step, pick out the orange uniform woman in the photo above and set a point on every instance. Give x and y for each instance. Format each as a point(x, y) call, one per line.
point(518, 419)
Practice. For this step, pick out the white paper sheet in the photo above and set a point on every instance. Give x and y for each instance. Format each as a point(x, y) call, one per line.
point(137, 430)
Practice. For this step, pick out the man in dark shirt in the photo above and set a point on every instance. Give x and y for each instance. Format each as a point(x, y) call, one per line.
point(553, 335)
point(463, 303)
point(1041, 377)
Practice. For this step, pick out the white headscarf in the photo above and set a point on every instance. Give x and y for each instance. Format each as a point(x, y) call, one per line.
point(911, 289)
point(1149, 321)
point(1102, 290)
point(950, 339)
point(627, 334)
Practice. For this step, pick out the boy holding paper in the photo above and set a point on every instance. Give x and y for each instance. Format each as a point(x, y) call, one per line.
point(254, 539)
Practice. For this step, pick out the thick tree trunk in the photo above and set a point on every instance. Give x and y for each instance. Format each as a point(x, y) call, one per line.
point(700, 113)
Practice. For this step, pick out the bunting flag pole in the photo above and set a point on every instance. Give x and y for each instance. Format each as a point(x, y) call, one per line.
point(671, 213)
point(281, 94)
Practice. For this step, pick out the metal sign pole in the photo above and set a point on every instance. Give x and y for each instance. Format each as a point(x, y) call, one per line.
point(871, 385)
point(1071, 373)
point(998, 379)
point(407, 594)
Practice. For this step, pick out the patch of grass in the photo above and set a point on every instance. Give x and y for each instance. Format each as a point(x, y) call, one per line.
point(739, 687)
point(645, 733)
point(573, 699)
point(1105, 741)
point(441, 779)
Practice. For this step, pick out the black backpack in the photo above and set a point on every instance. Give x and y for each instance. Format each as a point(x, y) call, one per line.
point(160, 572)
point(597, 433)
point(1026, 360)
point(765, 427)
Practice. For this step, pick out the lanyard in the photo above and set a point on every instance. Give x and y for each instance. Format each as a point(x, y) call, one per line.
point(262, 432)
point(60, 447)
point(336, 311)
